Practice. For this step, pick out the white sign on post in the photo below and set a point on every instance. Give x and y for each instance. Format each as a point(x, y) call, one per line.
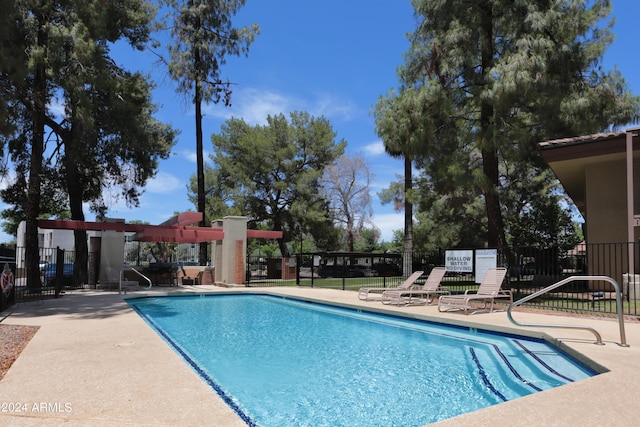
point(459, 261)
point(485, 259)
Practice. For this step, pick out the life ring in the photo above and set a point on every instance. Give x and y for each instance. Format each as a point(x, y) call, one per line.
point(7, 281)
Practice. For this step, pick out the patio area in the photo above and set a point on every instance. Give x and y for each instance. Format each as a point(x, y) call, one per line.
point(94, 361)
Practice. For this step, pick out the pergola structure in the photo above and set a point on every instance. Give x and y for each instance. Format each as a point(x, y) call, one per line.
point(179, 229)
point(228, 235)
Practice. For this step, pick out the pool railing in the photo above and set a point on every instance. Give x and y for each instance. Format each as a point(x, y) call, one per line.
point(623, 339)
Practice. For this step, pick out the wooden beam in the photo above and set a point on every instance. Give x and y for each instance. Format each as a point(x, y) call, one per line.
point(172, 230)
point(264, 234)
point(179, 234)
point(89, 226)
point(185, 218)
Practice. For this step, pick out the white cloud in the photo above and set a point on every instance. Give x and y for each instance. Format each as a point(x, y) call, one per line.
point(375, 148)
point(254, 105)
point(330, 106)
point(191, 156)
point(387, 223)
point(163, 183)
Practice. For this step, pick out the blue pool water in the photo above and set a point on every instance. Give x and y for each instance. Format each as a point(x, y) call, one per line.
point(284, 362)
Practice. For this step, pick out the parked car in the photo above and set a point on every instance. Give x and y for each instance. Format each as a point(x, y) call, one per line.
point(369, 272)
point(50, 274)
point(387, 269)
point(340, 271)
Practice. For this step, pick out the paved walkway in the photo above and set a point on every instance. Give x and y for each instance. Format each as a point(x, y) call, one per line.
point(94, 362)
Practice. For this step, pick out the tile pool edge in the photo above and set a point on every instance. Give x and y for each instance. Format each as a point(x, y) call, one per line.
point(460, 323)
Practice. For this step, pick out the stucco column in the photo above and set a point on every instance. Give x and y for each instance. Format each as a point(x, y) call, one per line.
point(111, 255)
point(631, 220)
point(230, 255)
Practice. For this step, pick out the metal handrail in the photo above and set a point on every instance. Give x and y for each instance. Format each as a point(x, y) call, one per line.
point(138, 273)
point(623, 340)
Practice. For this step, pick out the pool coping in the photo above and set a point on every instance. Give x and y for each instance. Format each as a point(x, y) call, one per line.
point(95, 353)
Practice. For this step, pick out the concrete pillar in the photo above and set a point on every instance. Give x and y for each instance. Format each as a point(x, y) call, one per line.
point(216, 254)
point(230, 255)
point(111, 256)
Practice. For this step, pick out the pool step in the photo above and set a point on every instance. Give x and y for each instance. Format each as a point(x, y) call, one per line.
point(517, 370)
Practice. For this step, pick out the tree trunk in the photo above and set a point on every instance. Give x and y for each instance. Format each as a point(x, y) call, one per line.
point(32, 209)
point(282, 245)
point(349, 228)
point(408, 217)
point(202, 254)
point(496, 235)
point(350, 240)
point(75, 189)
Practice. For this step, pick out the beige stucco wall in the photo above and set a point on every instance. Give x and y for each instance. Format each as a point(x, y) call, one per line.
point(606, 202)
point(229, 255)
point(606, 194)
point(606, 219)
point(111, 258)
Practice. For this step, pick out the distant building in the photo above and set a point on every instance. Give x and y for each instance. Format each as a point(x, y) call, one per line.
point(49, 239)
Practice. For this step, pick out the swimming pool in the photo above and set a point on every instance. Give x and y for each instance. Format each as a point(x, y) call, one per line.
point(284, 362)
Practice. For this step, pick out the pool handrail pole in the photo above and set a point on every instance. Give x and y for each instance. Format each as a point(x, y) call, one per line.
point(138, 273)
point(623, 339)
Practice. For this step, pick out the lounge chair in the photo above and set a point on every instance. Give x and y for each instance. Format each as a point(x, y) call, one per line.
point(418, 296)
point(375, 293)
point(488, 291)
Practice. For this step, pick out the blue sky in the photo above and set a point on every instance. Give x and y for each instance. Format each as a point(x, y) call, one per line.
point(330, 58)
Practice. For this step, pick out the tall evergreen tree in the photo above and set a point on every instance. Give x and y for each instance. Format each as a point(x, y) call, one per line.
point(106, 131)
point(12, 68)
point(28, 52)
point(272, 172)
point(499, 76)
point(400, 122)
point(202, 36)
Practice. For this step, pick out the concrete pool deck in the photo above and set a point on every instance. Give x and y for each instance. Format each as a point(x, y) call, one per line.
point(95, 362)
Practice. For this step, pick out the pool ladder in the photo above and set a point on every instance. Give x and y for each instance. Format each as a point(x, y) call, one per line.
point(135, 271)
point(623, 339)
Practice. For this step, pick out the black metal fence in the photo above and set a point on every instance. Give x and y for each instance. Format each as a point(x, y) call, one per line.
point(530, 270)
point(538, 269)
point(342, 270)
point(56, 269)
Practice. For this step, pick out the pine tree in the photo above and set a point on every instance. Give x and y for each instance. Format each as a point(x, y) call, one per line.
point(202, 37)
point(499, 76)
point(272, 173)
point(106, 129)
